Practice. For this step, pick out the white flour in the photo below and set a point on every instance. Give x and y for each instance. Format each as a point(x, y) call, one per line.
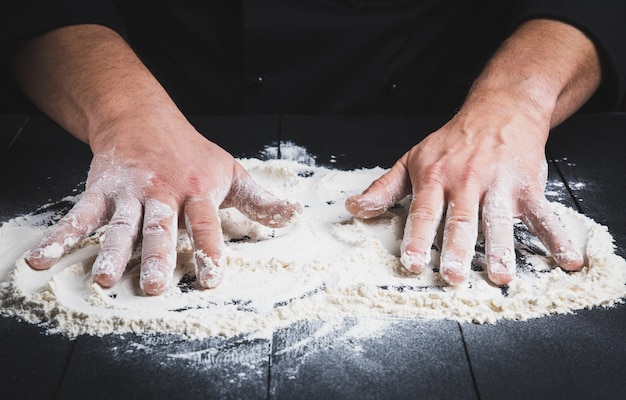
point(326, 265)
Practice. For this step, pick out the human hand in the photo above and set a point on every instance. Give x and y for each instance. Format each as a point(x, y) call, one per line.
point(489, 169)
point(146, 179)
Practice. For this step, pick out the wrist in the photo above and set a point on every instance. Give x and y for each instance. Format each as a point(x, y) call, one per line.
point(136, 126)
point(531, 98)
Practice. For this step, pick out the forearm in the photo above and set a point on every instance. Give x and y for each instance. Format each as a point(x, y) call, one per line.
point(85, 77)
point(546, 69)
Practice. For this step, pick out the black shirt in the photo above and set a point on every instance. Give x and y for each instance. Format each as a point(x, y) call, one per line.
point(414, 57)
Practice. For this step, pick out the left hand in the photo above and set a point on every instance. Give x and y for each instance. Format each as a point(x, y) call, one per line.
point(488, 169)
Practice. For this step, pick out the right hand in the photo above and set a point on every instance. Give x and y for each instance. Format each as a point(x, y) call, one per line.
point(148, 176)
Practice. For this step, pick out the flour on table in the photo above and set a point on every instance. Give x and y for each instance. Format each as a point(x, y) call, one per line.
point(327, 264)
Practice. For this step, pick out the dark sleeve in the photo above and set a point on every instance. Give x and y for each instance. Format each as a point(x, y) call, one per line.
point(31, 17)
point(604, 22)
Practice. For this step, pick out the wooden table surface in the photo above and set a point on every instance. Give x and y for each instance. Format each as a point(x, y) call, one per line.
point(576, 356)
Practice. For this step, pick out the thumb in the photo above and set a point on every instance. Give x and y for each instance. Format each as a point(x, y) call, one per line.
point(259, 204)
point(383, 193)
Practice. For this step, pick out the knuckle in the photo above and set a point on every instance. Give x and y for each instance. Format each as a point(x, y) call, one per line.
point(123, 220)
point(205, 228)
point(470, 174)
point(424, 213)
point(434, 175)
point(154, 226)
point(417, 243)
point(461, 218)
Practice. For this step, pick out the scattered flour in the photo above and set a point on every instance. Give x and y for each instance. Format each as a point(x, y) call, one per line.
point(325, 265)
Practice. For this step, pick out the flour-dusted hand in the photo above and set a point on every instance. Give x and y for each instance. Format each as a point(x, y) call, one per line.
point(151, 172)
point(153, 179)
point(462, 175)
point(487, 164)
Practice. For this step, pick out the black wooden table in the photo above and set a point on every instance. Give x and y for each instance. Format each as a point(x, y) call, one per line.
point(576, 356)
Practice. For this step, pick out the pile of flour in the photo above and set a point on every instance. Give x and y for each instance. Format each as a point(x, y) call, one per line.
point(327, 264)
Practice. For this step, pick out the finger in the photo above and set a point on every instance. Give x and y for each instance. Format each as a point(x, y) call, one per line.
point(497, 213)
point(260, 205)
point(86, 216)
point(544, 223)
point(459, 239)
point(118, 245)
point(205, 231)
point(421, 228)
point(383, 193)
point(158, 255)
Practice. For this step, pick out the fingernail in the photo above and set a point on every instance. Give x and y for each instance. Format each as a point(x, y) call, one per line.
point(33, 258)
point(155, 276)
point(44, 257)
point(571, 260)
point(501, 266)
point(365, 207)
point(104, 271)
point(415, 261)
point(52, 251)
point(500, 274)
point(453, 272)
point(209, 272)
point(295, 208)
